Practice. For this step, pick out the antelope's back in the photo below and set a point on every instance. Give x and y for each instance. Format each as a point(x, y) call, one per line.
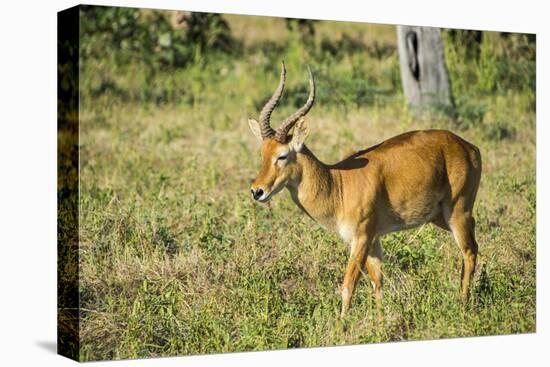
point(427, 164)
point(410, 174)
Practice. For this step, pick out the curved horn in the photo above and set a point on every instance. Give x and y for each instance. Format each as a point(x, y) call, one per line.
point(265, 114)
point(282, 131)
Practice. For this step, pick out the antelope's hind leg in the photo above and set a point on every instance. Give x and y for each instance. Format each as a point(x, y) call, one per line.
point(462, 225)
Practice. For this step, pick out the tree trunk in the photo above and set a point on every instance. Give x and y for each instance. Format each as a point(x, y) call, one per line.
point(423, 70)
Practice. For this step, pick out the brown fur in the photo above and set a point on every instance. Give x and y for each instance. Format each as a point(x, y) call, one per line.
point(410, 179)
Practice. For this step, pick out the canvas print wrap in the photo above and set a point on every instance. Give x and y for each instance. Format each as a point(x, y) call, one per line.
point(241, 183)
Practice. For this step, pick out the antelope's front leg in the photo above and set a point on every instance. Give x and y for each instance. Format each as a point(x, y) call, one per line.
point(359, 247)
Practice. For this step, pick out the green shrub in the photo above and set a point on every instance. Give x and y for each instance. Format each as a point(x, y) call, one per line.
point(147, 36)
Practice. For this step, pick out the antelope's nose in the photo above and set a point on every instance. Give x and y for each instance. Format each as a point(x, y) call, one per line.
point(256, 193)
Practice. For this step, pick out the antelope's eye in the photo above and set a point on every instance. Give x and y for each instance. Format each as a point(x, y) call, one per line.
point(282, 157)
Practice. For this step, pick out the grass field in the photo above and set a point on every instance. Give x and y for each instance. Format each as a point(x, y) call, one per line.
point(175, 256)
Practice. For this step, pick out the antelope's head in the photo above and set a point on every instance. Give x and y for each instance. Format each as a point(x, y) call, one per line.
point(279, 148)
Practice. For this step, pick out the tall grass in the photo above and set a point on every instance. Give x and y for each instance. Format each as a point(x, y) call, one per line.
point(176, 259)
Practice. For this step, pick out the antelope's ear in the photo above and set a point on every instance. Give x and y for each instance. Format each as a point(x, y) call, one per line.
point(299, 134)
point(255, 127)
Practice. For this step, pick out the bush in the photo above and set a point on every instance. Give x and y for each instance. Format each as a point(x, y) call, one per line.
point(148, 36)
point(498, 65)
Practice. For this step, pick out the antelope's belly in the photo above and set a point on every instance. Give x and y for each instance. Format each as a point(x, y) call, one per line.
point(407, 219)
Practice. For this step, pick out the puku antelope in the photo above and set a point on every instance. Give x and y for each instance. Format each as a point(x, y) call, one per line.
point(418, 177)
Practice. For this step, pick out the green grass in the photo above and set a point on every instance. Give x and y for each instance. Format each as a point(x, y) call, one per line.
point(176, 258)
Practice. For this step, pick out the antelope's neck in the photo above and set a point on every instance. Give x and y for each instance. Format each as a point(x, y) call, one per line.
point(316, 189)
